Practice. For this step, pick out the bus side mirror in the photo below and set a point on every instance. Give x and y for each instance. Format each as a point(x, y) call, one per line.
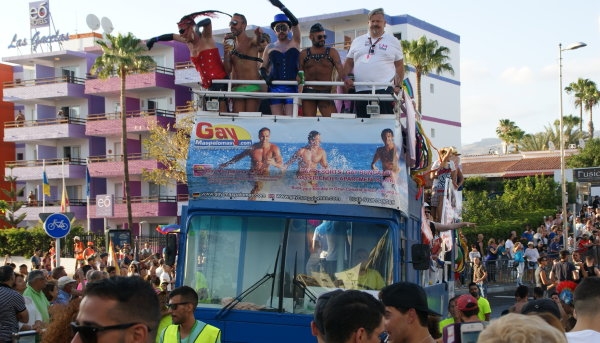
point(171, 249)
point(421, 256)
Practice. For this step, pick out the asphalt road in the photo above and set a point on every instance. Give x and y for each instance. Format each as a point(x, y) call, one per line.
point(500, 302)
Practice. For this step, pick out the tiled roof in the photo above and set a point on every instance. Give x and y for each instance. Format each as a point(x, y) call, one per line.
point(514, 165)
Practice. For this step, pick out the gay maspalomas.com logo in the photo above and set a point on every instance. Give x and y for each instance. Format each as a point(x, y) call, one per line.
point(221, 135)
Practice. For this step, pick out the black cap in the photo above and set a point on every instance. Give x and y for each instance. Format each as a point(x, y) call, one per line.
point(406, 295)
point(541, 305)
point(317, 28)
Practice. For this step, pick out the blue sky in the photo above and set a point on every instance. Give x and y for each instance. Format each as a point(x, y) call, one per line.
point(509, 49)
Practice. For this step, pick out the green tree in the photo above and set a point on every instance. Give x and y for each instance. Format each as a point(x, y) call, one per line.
point(169, 146)
point(588, 156)
point(530, 193)
point(535, 142)
point(426, 56)
point(579, 92)
point(592, 97)
point(505, 129)
point(515, 137)
point(10, 208)
point(122, 56)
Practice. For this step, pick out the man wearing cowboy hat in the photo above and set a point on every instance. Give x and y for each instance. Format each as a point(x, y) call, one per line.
point(280, 59)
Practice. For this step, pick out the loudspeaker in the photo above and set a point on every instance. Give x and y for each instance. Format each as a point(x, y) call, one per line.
point(171, 249)
point(421, 256)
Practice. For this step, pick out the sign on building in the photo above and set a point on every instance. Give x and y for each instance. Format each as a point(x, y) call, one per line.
point(39, 14)
point(105, 204)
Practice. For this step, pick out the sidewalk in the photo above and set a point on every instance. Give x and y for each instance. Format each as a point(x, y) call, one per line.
point(68, 263)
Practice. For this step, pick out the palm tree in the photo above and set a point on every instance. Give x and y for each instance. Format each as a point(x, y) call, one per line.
point(535, 142)
point(122, 55)
point(578, 89)
point(504, 130)
point(426, 56)
point(591, 99)
point(515, 137)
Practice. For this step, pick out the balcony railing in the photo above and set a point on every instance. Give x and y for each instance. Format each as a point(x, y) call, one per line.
point(43, 122)
point(157, 69)
point(143, 199)
point(113, 158)
point(184, 65)
point(131, 114)
point(47, 162)
point(44, 81)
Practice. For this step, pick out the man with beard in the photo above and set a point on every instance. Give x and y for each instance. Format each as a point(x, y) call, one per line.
point(280, 59)
point(484, 306)
point(203, 49)
point(375, 57)
point(182, 303)
point(241, 61)
point(318, 62)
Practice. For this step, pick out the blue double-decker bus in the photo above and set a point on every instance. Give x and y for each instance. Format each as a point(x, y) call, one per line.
point(274, 220)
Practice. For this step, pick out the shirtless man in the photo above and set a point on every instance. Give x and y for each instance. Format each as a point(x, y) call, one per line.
point(262, 155)
point(388, 155)
point(203, 50)
point(280, 59)
point(241, 61)
point(318, 62)
point(309, 157)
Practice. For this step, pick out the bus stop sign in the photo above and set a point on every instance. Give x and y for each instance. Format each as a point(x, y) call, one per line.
point(57, 225)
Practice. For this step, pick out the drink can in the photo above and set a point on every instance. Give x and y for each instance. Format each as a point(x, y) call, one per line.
point(351, 76)
point(301, 76)
point(229, 44)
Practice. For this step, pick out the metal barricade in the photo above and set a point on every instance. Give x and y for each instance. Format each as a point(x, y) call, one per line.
point(16, 336)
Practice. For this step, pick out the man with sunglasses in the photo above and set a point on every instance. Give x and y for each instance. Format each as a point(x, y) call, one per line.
point(241, 61)
point(182, 303)
point(375, 57)
point(203, 50)
point(119, 309)
point(280, 59)
point(318, 62)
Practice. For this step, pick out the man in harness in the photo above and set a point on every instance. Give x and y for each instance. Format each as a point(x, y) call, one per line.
point(241, 61)
point(318, 63)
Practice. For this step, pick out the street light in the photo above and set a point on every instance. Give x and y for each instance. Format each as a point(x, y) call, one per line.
point(563, 182)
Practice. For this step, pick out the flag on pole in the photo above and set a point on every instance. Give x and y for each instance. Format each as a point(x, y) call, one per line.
point(112, 257)
point(88, 181)
point(46, 184)
point(64, 200)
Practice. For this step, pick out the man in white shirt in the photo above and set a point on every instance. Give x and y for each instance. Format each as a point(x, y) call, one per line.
point(375, 57)
point(587, 302)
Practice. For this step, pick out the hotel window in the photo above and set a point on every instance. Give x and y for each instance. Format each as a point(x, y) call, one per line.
point(431, 88)
point(432, 135)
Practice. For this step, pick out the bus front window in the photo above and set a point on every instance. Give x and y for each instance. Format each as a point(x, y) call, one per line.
point(283, 264)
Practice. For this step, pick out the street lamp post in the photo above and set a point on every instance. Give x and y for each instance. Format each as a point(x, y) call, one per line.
point(563, 182)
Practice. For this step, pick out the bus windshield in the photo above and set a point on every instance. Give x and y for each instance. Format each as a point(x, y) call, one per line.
point(283, 264)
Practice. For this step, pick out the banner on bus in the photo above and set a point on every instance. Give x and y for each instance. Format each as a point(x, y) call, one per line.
point(308, 160)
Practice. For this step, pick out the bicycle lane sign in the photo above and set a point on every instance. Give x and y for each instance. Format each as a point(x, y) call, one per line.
point(57, 225)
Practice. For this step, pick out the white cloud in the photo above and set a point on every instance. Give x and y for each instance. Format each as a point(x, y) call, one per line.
point(514, 75)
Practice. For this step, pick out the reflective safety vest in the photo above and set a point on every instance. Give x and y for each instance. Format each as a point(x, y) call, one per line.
point(204, 333)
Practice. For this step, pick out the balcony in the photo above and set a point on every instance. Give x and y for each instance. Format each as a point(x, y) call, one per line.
point(186, 74)
point(53, 88)
point(31, 130)
point(77, 206)
point(142, 207)
point(109, 124)
point(112, 165)
point(74, 168)
point(160, 77)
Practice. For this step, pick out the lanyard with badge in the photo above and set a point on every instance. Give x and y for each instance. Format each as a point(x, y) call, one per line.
point(372, 47)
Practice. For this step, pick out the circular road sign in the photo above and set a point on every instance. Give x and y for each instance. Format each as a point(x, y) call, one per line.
point(57, 225)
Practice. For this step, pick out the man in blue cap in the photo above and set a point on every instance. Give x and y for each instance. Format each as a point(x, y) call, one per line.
point(280, 59)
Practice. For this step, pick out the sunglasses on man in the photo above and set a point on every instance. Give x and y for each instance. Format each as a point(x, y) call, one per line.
point(89, 334)
point(281, 28)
